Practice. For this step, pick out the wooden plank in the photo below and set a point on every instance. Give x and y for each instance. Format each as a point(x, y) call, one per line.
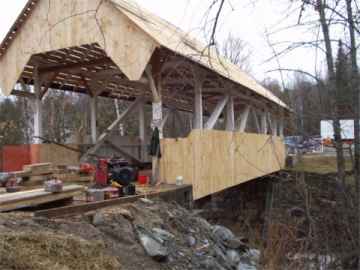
point(38, 168)
point(215, 160)
point(24, 199)
point(83, 208)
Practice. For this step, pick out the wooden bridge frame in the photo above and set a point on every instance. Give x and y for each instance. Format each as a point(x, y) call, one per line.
point(116, 49)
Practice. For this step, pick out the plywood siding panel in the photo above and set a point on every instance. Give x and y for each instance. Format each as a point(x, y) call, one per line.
point(215, 160)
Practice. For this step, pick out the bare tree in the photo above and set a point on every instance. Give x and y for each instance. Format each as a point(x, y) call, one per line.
point(238, 52)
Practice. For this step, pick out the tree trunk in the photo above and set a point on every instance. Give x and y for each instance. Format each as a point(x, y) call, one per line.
point(356, 105)
point(334, 93)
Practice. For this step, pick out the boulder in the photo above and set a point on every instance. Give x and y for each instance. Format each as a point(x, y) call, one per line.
point(233, 257)
point(162, 235)
point(152, 246)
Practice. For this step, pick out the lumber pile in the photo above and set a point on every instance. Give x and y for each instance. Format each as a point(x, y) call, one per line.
point(31, 198)
point(38, 169)
point(34, 175)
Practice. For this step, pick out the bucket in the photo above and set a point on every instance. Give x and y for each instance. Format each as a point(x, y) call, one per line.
point(143, 179)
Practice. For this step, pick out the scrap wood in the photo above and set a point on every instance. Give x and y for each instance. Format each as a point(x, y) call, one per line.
point(71, 177)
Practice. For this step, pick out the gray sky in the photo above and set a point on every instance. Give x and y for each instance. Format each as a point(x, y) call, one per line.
point(243, 19)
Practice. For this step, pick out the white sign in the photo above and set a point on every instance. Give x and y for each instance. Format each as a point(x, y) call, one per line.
point(347, 129)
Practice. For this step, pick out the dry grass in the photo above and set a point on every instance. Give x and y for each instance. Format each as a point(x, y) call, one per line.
point(319, 164)
point(44, 251)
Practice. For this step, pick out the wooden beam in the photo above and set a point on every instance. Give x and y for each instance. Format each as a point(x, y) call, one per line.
point(198, 110)
point(19, 93)
point(106, 133)
point(256, 120)
point(281, 126)
point(216, 113)
point(154, 89)
point(38, 131)
point(46, 80)
point(264, 122)
point(230, 115)
point(244, 119)
point(93, 118)
point(164, 120)
point(142, 129)
point(274, 126)
point(74, 66)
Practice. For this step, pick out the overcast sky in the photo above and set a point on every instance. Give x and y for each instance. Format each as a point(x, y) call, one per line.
point(243, 19)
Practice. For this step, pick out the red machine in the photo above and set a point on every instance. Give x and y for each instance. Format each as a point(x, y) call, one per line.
point(102, 173)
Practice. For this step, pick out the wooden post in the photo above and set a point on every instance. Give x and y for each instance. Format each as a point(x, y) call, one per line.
point(244, 118)
point(281, 126)
point(198, 110)
point(93, 114)
point(38, 130)
point(157, 116)
point(256, 120)
point(230, 115)
point(142, 129)
point(264, 126)
point(274, 126)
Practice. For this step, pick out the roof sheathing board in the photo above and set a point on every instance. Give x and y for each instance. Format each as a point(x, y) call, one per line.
point(72, 23)
point(180, 42)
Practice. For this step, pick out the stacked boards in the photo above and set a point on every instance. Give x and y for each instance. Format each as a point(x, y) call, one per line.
point(31, 198)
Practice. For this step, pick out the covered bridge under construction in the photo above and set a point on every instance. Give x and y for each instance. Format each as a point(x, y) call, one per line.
point(116, 49)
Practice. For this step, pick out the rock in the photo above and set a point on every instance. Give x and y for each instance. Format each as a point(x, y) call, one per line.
point(245, 266)
point(222, 233)
point(253, 255)
point(146, 201)
point(297, 212)
point(210, 263)
point(203, 223)
point(151, 244)
point(221, 257)
point(249, 260)
point(235, 243)
point(233, 257)
point(162, 235)
point(126, 214)
point(191, 240)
